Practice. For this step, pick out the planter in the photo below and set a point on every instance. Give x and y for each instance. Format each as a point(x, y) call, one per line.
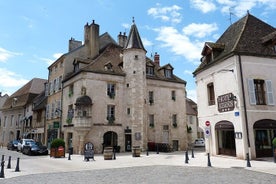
point(57, 152)
point(108, 153)
point(136, 151)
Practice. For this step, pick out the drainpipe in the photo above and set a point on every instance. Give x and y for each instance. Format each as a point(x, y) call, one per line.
point(244, 103)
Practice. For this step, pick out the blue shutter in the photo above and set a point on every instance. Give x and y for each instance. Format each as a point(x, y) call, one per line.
point(269, 92)
point(251, 91)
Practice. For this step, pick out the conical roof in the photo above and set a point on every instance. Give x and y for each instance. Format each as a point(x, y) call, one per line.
point(134, 39)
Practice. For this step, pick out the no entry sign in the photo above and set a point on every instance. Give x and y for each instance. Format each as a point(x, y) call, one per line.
point(207, 123)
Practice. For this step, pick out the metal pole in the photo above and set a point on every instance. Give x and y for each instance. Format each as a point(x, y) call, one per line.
point(209, 161)
point(9, 163)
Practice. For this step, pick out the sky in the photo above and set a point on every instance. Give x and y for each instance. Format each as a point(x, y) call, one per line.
point(34, 33)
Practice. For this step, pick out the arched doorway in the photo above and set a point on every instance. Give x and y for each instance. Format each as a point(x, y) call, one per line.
point(110, 139)
point(264, 132)
point(226, 138)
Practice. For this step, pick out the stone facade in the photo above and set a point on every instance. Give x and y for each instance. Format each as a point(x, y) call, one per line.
point(113, 95)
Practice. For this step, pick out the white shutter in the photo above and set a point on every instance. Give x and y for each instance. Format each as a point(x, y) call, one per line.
point(251, 91)
point(269, 92)
point(47, 89)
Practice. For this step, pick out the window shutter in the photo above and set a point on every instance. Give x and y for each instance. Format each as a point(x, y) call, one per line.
point(47, 89)
point(251, 91)
point(269, 92)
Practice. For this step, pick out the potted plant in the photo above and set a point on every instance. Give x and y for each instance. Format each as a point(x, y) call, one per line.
point(57, 148)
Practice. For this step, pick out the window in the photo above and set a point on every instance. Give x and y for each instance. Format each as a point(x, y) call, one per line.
point(71, 90)
point(5, 121)
point(53, 111)
point(46, 89)
point(48, 111)
point(211, 94)
point(60, 82)
point(173, 95)
point(111, 113)
point(165, 127)
point(260, 92)
point(151, 120)
point(70, 114)
point(111, 90)
point(12, 120)
point(76, 67)
point(168, 73)
point(128, 111)
point(150, 70)
point(151, 97)
point(174, 120)
point(54, 85)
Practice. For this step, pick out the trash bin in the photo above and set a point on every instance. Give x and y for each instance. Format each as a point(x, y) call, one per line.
point(70, 151)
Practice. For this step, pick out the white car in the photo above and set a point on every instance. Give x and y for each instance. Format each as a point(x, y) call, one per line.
point(199, 142)
point(22, 143)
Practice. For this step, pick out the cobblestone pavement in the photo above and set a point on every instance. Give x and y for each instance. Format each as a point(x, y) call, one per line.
point(161, 168)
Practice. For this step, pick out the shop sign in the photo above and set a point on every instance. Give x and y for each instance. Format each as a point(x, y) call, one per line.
point(226, 102)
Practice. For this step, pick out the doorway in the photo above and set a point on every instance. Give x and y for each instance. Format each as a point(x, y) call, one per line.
point(226, 138)
point(110, 139)
point(264, 132)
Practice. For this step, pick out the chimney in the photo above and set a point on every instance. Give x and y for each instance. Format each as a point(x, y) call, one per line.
point(122, 39)
point(157, 59)
point(73, 44)
point(91, 38)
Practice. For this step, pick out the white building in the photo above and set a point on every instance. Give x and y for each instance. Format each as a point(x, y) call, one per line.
point(236, 85)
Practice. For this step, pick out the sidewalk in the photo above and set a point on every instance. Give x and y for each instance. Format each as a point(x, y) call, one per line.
point(45, 164)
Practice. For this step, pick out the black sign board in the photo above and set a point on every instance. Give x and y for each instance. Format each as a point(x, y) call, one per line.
point(226, 102)
point(88, 151)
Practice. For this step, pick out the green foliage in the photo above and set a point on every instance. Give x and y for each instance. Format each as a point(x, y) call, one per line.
point(274, 142)
point(189, 129)
point(57, 143)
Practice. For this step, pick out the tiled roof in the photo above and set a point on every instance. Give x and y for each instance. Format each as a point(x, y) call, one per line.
point(243, 37)
point(25, 94)
point(191, 107)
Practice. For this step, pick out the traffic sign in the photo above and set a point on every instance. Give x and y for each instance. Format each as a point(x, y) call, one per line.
point(207, 123)
point(207, 131)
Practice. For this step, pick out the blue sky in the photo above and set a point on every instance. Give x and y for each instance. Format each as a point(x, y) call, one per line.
point(34, 33)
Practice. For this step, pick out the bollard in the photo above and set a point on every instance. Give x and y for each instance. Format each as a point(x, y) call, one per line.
point(114, 154)
point(3, 157)
point(2, 175)
point(69, 157)
point(9, 163)
point(17, 166)
point(248, 162)
point(193, 153)
point(147, 151)
point(157, 149)
point(186, 157)
point(188, 154)
point(209, 161)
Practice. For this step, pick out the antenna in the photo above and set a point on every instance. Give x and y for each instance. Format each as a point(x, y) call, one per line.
point(230, 15)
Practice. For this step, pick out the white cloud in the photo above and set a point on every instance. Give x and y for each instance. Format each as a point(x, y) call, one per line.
point(5, 54)
point(166, 14)
point(146, 42)
point(181, 43)
point(11, 79)
point(200, 30)
point(49, 61)
point(189, 72)
point(240, 7)
point(192, 95)
point(203, 5)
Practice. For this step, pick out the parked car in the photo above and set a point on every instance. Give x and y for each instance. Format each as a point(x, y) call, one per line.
point(22, 143)
point(199, 142)
point(12, 145)
point(35, 148)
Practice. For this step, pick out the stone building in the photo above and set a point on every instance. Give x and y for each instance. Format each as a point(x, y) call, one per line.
point(3, 98)
point(236, 90)
point(17, 114)
point(114, 95)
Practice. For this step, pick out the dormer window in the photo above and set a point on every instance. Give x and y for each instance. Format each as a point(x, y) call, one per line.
point(150, 70)
point(168, 73)
point(76, 67)
point(108, 67)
